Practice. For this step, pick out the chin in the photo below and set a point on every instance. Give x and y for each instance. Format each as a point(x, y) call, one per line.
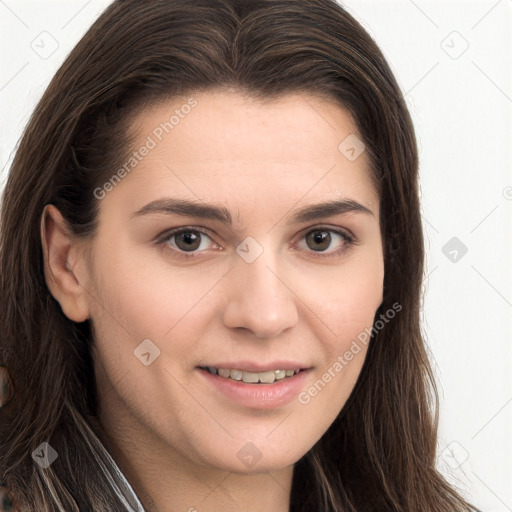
point(254, 458)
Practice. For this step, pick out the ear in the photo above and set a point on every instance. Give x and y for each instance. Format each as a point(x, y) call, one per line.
point(61, 256)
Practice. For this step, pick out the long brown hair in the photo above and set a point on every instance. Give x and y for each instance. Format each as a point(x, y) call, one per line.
point(380, 452)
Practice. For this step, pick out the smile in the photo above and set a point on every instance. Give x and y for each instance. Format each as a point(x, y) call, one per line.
point(266, 377)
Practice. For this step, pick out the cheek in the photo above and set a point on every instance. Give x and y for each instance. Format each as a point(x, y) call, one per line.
point(347, 298)
point(347, 306)
point(147, 297)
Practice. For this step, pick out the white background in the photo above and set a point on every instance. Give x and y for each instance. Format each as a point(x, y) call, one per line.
point(461, 102)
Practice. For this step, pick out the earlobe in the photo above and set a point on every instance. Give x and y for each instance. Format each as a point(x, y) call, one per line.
point(61, 255)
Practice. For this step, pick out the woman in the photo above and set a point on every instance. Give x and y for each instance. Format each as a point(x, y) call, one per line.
point(211, 262)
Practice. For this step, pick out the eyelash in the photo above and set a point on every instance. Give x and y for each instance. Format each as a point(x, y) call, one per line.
point(347, 238)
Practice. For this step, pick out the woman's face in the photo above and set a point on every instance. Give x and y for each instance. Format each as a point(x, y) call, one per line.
point(280, 269)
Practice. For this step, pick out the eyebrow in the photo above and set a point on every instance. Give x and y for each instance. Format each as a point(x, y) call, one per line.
point(221, 214)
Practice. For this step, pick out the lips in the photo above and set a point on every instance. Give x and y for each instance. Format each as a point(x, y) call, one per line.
point(255, 395)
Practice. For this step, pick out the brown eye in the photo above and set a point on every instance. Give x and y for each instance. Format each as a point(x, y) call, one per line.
point(188, 240)
point(318, 240)
point(327, 242)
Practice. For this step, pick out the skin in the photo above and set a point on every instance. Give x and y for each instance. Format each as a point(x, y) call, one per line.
point(175, 437)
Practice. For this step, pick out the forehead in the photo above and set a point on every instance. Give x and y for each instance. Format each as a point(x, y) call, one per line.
point(230, 146)
point(223, 122)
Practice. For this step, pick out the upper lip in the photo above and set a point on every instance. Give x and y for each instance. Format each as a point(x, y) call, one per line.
point(252, 366)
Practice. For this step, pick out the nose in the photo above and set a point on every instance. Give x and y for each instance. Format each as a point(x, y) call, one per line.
point(259, 299)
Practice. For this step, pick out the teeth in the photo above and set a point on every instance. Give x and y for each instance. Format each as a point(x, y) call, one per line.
point(250, 377)
point(281, 374)
point(267, 377)
point(236, 374)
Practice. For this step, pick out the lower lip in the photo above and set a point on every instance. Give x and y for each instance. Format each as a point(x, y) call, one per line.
point(260, 396)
